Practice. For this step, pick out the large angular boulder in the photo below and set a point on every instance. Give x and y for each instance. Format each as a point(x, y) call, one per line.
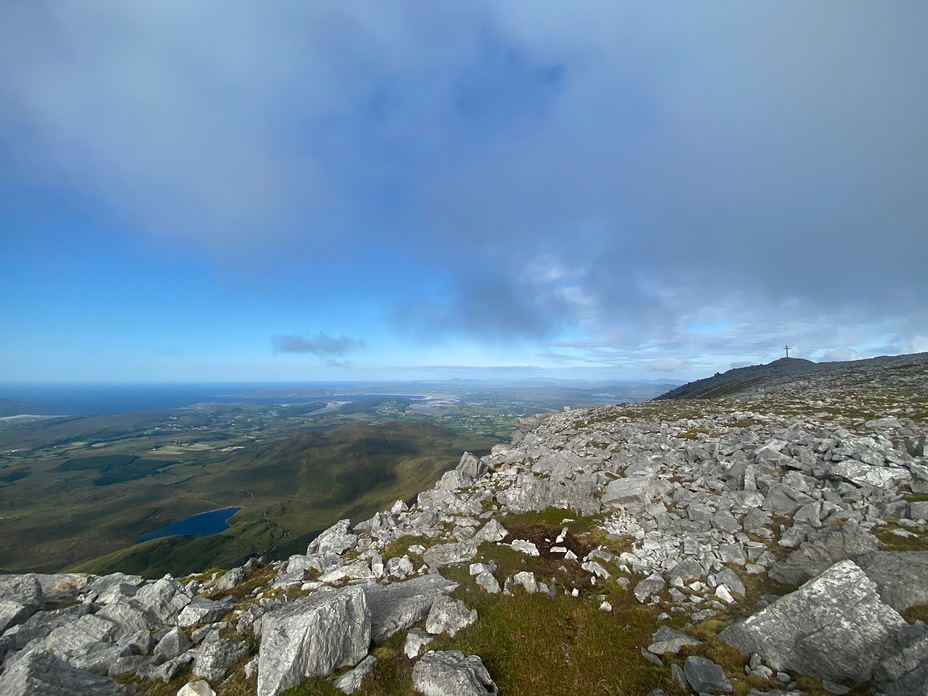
point(336, 539)
point(450, 673)
point(398, 606)
point(43, 673)
point(20, 597)
point(834, 627)
point(313, 635)
point(165, 598)
point(471, 467)
point(213, 659)
point(631, 493)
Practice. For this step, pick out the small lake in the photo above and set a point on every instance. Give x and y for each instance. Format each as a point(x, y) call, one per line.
point(203, 524)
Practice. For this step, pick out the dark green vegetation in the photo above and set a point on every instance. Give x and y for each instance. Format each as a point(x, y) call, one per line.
point(76, 492)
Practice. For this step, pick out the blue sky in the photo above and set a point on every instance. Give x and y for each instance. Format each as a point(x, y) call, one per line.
point(369, 190)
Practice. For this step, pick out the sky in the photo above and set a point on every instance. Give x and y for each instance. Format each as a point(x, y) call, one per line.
point(366, 190)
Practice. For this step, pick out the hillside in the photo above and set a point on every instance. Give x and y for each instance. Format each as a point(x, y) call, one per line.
point(794, 374)
point(773, 540)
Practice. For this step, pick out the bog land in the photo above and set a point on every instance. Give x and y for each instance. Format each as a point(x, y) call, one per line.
point(78, 492)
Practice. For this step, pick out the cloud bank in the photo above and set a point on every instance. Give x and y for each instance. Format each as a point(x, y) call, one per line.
point(610, 182)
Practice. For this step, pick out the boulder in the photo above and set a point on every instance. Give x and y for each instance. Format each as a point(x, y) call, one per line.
point(165, 598)
point(62, 587)
point(901, 577)
point(905, 672)
point(447, 554)
point(450, 673)
point(492, 531)
point(40, 672)
point(529, 493)
point(416, 639)
point(449, 616)
point(399, 605)
point(667, 640)
point(822, 550)
point(196, 688)
point(175, 642)
point(350, 682)
point(336, 539)
point(705, 677)
point(313, 635)
point(20, 597)
point(230, 579)
point(631, 493)
point(213, 659)
point(861, 474)
point(834, 627)
point(471, 467)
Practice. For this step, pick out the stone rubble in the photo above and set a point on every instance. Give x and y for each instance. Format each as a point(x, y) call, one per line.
point(705, 505)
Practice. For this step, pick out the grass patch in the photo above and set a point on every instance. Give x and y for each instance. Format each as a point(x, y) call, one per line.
point(917, 613)
point(564, 645)
point(895, 542)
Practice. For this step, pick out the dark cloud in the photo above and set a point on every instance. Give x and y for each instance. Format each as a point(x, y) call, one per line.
point(321, 344)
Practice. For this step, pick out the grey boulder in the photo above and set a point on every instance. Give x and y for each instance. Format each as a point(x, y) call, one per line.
point(705, 677)
point(313, 635)
point(449, 616)
point(20, 597)
point(834, 627)
point(401, 604)
point(450, 673)
point(40, 672)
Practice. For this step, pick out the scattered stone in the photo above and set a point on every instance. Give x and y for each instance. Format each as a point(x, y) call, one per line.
point(651, 585)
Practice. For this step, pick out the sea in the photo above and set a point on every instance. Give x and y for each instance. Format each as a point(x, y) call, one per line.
point(92, 399)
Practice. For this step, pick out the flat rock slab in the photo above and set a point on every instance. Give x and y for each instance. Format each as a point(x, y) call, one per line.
point(312, 636)
point(399, 605)
point(450, 673)
point(834, 627)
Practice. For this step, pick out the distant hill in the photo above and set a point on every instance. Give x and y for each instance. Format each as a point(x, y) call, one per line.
point(788, 372)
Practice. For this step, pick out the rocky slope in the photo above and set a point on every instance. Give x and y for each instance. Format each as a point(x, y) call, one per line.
point(775, 541)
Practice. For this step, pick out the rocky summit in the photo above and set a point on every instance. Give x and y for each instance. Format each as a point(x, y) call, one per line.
point(770, 539)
